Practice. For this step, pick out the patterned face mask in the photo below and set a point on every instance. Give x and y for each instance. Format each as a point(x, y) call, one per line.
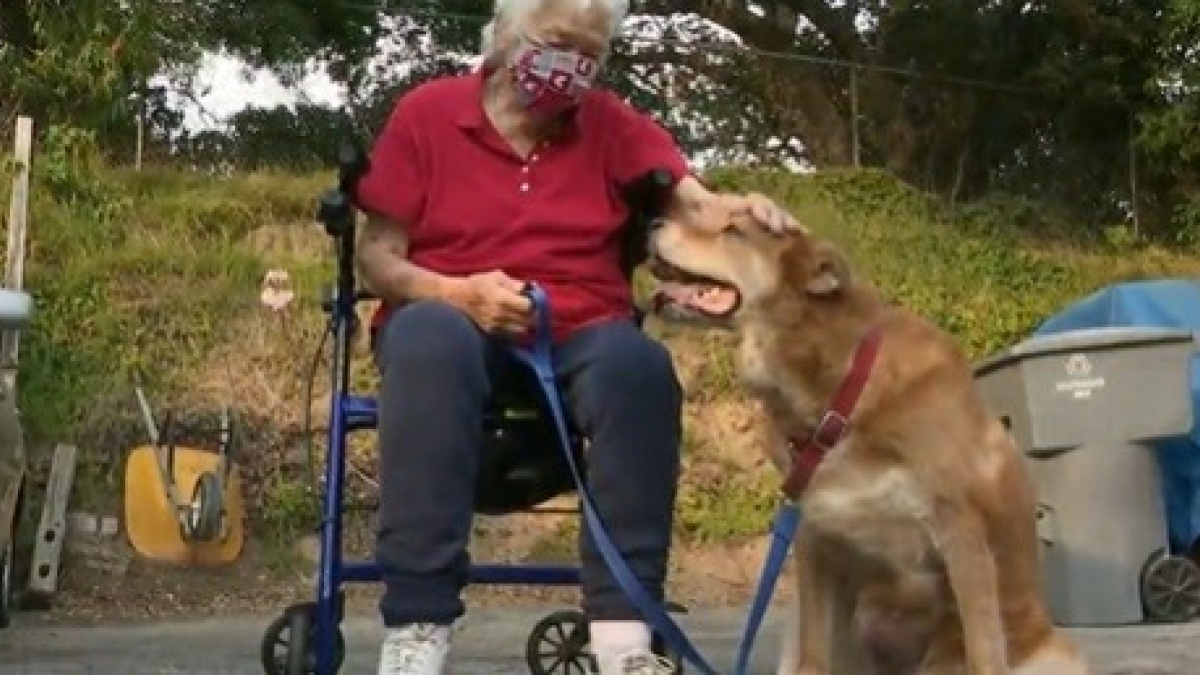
point(551, 81)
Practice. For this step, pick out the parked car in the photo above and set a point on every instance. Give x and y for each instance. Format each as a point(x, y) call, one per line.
point(15, 310)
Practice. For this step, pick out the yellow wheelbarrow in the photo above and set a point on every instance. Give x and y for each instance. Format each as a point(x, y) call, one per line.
point(205, 529)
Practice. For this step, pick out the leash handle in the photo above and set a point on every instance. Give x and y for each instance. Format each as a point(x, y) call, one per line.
point(538, 357)
point(543, 339)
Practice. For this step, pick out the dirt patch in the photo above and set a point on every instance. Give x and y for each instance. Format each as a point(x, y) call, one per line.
point(728, 430)
point(148, 590)
point(261, 583)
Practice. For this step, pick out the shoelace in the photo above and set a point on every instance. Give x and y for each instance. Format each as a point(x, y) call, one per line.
point(649, 664)
point(412, 650)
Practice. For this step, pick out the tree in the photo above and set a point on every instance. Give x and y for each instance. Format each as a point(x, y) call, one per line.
point(1170, 131)
point(961, 98)
point(87, 62)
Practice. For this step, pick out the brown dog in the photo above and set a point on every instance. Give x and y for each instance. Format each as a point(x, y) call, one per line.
point(918, 552)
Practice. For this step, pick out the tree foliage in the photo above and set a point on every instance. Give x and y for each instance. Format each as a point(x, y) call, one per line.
point(1073, 103)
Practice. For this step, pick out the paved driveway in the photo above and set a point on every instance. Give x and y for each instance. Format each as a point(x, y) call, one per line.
point(492, 644)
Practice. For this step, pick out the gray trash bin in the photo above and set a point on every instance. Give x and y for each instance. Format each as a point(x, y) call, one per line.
point(1085, 406)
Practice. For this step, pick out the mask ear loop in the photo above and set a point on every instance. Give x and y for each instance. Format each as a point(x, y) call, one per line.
point(600, 78)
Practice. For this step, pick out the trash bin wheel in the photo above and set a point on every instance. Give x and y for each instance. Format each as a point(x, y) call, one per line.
point(1170, 587)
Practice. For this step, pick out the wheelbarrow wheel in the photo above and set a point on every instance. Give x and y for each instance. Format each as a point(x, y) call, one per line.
point(558, 645)
point(206, 508)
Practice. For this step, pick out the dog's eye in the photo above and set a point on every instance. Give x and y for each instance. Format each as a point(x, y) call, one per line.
point(734, 231)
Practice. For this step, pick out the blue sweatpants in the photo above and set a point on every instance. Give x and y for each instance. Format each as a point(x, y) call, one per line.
point(438, 371)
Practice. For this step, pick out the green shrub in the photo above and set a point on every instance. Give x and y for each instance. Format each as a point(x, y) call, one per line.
point(984, 271)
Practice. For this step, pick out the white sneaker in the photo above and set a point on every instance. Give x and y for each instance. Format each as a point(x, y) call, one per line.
point(416, 649)
point(636, 662)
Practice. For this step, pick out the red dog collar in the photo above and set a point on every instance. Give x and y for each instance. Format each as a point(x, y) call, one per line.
point(834, 424)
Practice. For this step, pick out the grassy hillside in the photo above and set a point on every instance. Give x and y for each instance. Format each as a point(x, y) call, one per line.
point(154, 278)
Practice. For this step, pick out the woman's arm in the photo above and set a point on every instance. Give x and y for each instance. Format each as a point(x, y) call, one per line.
point(642, 145)
point(382, 262)
point(688, 198)
point(392, 194)
point(493, 300)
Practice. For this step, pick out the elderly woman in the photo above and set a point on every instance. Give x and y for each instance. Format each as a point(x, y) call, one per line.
point(478, 184)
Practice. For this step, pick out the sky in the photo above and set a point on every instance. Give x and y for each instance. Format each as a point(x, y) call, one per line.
point(225, 86)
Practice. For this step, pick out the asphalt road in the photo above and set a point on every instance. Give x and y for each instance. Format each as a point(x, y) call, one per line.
point(492, 643)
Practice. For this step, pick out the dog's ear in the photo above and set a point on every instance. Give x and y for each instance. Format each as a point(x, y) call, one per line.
point(830, 271)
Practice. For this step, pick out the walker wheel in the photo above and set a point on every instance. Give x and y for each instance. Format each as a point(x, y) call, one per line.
point(289, 643)
point(205, 511)
point(1171, 588)
point(558, 645)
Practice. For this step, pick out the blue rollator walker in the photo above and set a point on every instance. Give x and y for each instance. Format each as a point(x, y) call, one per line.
point(530, 456)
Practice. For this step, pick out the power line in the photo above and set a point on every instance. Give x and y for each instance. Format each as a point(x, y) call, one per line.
point(712, 47)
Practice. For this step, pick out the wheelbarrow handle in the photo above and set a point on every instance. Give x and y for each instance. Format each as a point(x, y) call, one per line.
point(148, 416)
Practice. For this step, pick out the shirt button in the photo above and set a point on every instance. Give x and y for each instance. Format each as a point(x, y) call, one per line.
point(524, 187)
point(533, 158)
point(525, 169)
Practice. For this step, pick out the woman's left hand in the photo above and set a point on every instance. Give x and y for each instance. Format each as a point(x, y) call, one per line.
point(694, 204)
point(766, 213)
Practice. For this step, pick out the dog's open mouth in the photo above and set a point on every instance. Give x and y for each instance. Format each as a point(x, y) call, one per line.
point(692, 292)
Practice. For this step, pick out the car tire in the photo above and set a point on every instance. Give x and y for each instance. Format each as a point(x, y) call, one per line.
point(9, 570)
point(7, 577)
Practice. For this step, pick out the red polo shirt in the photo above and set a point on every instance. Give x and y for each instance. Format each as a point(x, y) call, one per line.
point(475, 205)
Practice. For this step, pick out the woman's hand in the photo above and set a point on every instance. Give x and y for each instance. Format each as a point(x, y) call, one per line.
point(494, 302)
point(692, 203)
point(766, 213)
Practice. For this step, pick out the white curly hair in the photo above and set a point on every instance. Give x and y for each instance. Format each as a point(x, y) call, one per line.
point(516, 12)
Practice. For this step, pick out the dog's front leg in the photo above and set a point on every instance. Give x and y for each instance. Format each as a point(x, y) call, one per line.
point(962, 540)
point(816, 604)
point(788, 660)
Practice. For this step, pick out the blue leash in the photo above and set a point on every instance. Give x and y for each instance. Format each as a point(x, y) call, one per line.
point(783, 530)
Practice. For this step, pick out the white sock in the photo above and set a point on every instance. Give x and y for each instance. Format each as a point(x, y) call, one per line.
point(611, 639)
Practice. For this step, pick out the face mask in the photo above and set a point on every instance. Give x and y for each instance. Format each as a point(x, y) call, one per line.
point(551, 81)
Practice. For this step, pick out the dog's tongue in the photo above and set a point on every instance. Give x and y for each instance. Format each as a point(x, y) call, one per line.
point(708, 299)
